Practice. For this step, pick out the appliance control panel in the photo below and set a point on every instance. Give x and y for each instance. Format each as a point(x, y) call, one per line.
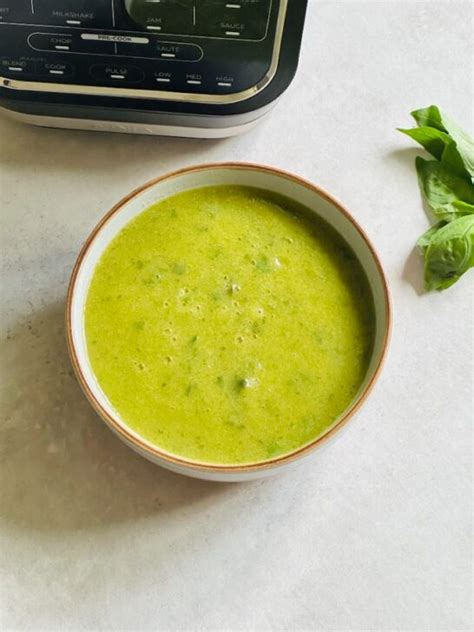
point(205, 47)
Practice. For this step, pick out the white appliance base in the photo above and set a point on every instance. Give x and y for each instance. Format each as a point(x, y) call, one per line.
point(130, 128)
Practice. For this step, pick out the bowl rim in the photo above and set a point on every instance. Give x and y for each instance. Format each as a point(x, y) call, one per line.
point(153, 451)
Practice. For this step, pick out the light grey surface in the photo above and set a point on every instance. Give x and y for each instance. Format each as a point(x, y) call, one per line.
point(374, 534)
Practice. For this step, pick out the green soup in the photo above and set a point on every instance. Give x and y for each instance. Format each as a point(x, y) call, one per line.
point(226, 326)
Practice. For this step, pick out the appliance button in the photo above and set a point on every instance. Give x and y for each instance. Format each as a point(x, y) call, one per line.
point(163, 16)
point(15, 11)
point(55, 69)
point(171, 51)
point(242, 19)
point(224, 82)
point(69, 43)
point(193, 79)
point(178, 51)
point(162, 77)
point(13, 67)
point(96, 13)
point(117, 73)
point(51, 41)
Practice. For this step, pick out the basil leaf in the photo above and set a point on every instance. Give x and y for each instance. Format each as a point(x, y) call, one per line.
point(448, 195)
point(453, 159)
point(463, 207)
point(450, 253)
point(434, 118)
point(433, 140)
point(424, 241)
point(429, 117)
point(464, 144)
point(440, 145)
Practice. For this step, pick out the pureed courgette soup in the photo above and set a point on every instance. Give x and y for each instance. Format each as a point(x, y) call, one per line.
point(226, 325)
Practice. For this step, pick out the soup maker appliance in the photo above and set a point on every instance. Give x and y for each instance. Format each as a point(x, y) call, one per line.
point(199, 68)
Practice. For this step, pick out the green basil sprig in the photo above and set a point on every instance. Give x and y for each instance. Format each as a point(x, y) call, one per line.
point(447, 184)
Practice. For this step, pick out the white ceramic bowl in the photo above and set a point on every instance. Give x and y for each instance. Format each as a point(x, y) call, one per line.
point(263, 177)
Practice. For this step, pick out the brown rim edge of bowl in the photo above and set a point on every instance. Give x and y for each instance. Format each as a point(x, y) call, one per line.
point(154, 451)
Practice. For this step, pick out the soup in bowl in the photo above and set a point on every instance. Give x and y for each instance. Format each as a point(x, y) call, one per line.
point(226, 320)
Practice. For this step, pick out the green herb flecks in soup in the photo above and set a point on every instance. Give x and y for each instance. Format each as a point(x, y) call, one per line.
point(226, 326)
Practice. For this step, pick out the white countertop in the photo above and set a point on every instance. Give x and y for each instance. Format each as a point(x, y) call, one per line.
point(374, 533)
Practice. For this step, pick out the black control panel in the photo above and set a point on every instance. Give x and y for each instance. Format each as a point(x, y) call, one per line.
point(204, 47)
